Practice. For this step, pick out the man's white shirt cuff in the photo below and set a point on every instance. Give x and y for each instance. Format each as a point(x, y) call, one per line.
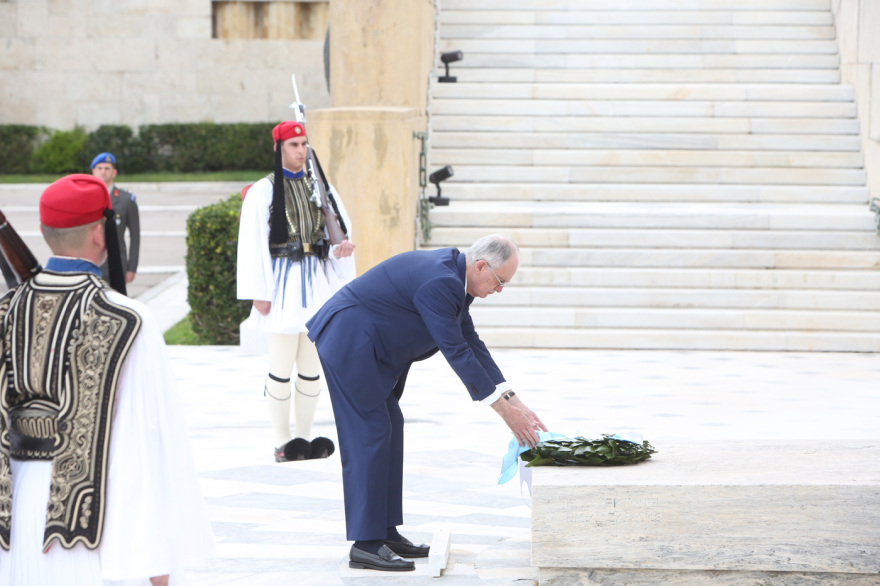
point(500, 389)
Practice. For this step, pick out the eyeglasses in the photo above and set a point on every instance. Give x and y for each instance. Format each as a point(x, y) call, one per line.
point(500, 282)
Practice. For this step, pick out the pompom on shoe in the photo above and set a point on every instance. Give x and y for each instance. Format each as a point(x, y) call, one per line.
point(321, 447)
point(294, 450)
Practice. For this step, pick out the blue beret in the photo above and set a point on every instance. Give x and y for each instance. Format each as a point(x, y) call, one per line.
point(104, 158)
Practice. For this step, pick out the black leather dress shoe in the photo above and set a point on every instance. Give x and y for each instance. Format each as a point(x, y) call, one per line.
point(407, 548)
point(384, 560)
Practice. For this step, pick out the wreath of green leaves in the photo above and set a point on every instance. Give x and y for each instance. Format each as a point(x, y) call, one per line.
point(583, 452)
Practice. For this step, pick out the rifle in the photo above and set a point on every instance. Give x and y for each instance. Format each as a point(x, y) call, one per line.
point(17, 262)
point(318, 182)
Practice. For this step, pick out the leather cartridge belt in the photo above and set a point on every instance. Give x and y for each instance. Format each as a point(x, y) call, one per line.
point(32, 437)
point(295, 251)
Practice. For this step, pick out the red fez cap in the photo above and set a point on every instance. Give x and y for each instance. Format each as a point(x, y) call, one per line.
point(288, 129)
point(75, 200)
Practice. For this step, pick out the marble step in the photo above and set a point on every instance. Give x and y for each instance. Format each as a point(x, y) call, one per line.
point(664, 238)
point(635, 61)
point(676, 318)
point(781, 19)
point(640, 5)
point(622, 192)
point(580, 297)
point(641, 124)
point(657, 339)
point(595, 140)
point(697, 278)
point(685, 258)
point(586, 45)
point(643, 174)
point(590, 75)
point(606, 215)
point(652, 108)
point(674, 32)
point(577, 157)
point(642, 91)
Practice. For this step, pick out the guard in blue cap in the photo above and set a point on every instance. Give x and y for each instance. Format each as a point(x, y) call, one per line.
point(125, 209)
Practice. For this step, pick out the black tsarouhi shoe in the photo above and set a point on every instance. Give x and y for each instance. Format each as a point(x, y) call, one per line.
point(296, 449)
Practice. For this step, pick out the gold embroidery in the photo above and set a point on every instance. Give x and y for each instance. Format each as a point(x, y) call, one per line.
point(64, 347)
point(46, 313)
point(5, 472)
point(305, 221)
point(86, 512)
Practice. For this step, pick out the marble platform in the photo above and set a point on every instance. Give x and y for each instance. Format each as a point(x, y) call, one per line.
point(788, 512)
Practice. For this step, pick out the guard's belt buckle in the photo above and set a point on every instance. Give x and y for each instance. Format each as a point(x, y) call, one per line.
point(307, 248)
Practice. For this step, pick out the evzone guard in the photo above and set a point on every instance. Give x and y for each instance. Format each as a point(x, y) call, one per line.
point(294, 252)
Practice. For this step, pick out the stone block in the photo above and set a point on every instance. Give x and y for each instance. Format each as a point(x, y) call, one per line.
point(438, 558)
point(92, 114)
point(869, 23)
point(138, 109)
point(70, 20)
point(65, 54)
point(55, 112)
point(135, 54)
point(97, 87)
point(193, 27)
point(32, 18)
point(751, 507)
point(382, 52)
point(871, 114)
point(231, 108)
point(371, 157)
point(17, 53)
point(8, 19)
point(846, 21)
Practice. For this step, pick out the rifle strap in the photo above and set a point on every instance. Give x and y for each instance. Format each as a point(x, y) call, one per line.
point(329, 194)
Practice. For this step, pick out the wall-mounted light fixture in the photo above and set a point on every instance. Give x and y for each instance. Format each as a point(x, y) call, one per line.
point(447, 58)
point(437, 177)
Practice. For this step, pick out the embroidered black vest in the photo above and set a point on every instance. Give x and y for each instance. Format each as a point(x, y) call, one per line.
point(62, 347)
point(305, 221)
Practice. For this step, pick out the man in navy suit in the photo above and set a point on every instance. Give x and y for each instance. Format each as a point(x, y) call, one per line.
point(368, 335)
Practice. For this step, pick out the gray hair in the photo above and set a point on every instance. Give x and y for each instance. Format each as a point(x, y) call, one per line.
point(495, 250)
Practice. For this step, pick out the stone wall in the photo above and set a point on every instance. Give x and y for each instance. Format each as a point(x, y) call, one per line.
point(858, 23)
point(67, 63)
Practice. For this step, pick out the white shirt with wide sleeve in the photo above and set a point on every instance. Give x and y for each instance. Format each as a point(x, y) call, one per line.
point(281, 281)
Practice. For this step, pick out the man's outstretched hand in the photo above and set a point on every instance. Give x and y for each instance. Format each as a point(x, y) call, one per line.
point(520, 419)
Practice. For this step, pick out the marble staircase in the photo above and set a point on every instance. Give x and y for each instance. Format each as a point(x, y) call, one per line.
point(679, 174)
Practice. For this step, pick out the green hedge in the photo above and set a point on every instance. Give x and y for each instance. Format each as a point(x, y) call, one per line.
point(183, 148)
point(17, 146)
point(211, 249)
point(60, 152)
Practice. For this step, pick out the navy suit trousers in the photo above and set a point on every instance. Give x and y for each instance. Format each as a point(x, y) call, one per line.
point(371, 450)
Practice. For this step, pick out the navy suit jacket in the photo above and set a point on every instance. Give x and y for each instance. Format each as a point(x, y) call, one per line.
point(402, 310)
